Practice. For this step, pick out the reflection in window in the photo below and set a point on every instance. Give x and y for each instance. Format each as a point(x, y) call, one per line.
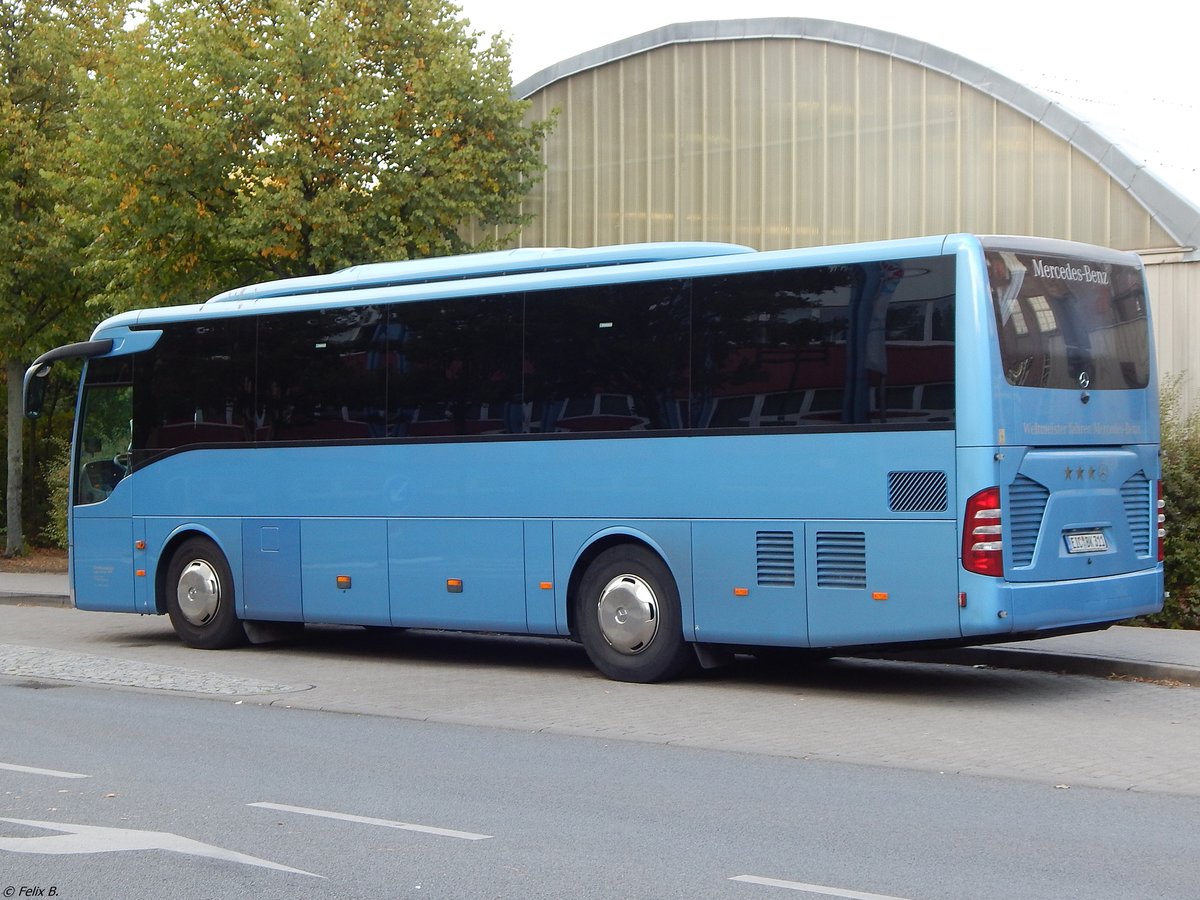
point(819, 345)
point(941, 314)
point(1018, 321)
point(1043, 315)
point(1062, 322)
point(906, 321)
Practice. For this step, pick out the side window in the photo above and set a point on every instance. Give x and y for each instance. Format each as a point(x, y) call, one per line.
point(454, 367)
point(916, 384)
point(770, 348)
point(607, 358)
point(321, 375)
point(858, 344)
point(105, 429)
point(196, 386)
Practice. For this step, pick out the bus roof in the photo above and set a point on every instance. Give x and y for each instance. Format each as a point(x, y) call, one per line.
point(445, 278)
point(476, 265)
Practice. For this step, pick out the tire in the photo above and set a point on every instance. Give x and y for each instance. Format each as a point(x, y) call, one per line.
point(628, 617)
point(200, 598)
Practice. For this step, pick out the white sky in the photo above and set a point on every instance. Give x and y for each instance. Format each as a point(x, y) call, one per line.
point(1129, 70)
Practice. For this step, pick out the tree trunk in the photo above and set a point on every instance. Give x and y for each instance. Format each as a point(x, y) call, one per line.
point(16, 443)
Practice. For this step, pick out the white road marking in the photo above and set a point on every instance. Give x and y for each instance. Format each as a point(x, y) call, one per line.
point(74, 839)
point(366, 820)
point(30, 770)
point(811, 888)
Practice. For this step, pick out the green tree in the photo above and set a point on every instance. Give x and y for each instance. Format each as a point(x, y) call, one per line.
point(44, 46)
point(240, 140)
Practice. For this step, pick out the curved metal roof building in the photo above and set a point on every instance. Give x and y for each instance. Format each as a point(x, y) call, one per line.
point(796, 132)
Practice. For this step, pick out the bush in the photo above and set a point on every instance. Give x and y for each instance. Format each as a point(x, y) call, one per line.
point(1181, 490)
point(56, 473)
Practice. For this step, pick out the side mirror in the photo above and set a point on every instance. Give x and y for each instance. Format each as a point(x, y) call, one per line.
point(35, 389)
point(35, 376)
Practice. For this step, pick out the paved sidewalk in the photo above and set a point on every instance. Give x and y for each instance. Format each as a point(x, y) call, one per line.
point(1154, 654)
point(49, 589)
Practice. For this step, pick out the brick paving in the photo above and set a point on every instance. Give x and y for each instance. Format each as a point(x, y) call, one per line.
point(60, 665)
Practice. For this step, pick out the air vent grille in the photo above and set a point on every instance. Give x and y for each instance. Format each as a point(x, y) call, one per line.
point(841, 559)
point(776, 559)
point(1135, 493)
point(917, 491)
point(1026, 506)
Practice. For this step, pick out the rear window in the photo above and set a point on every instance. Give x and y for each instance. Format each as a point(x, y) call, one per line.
point(1069, 323)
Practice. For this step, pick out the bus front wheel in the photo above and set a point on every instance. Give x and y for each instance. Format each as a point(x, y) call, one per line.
point(200, 597)
point(628, 617)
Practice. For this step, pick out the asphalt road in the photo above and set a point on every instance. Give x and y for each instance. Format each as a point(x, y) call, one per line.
point(1031, 726)
point(185, 797)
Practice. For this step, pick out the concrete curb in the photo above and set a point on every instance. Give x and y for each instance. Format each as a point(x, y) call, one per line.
point(1046, 661)
point(15, 599)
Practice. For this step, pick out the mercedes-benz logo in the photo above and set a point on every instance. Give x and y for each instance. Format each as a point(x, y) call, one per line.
point(1084, 380)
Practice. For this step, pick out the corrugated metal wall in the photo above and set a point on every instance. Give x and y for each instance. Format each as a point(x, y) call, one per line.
point(1172, 288)
point(794, 142)
point(788, 142)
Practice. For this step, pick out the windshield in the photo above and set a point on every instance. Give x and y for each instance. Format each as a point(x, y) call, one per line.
point(1069, 323)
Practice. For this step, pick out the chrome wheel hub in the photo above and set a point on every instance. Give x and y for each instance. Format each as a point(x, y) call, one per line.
point(628, 614)
point(198, 592)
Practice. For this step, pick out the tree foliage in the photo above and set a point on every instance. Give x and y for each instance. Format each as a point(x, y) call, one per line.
point(237, 140)
point(46, 49)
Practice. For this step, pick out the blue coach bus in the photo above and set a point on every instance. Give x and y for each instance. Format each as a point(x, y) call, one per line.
point(668, 452)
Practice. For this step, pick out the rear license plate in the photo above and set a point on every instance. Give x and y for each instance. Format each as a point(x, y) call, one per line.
point(1087, 542)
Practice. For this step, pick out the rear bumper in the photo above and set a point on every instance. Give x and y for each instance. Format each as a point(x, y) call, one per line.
point(1056, 605)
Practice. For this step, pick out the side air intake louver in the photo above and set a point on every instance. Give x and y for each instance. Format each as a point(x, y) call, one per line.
point(776, 559)
point(841, 559)
point(1026, 506)
point(1135, 493)
point(917, 491)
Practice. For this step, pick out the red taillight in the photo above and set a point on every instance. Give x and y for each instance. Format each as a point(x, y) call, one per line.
point(983, 549)
point(1161, 509)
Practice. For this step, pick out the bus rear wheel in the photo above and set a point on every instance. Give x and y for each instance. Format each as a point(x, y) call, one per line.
point(628, 617)
point(200, 597)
